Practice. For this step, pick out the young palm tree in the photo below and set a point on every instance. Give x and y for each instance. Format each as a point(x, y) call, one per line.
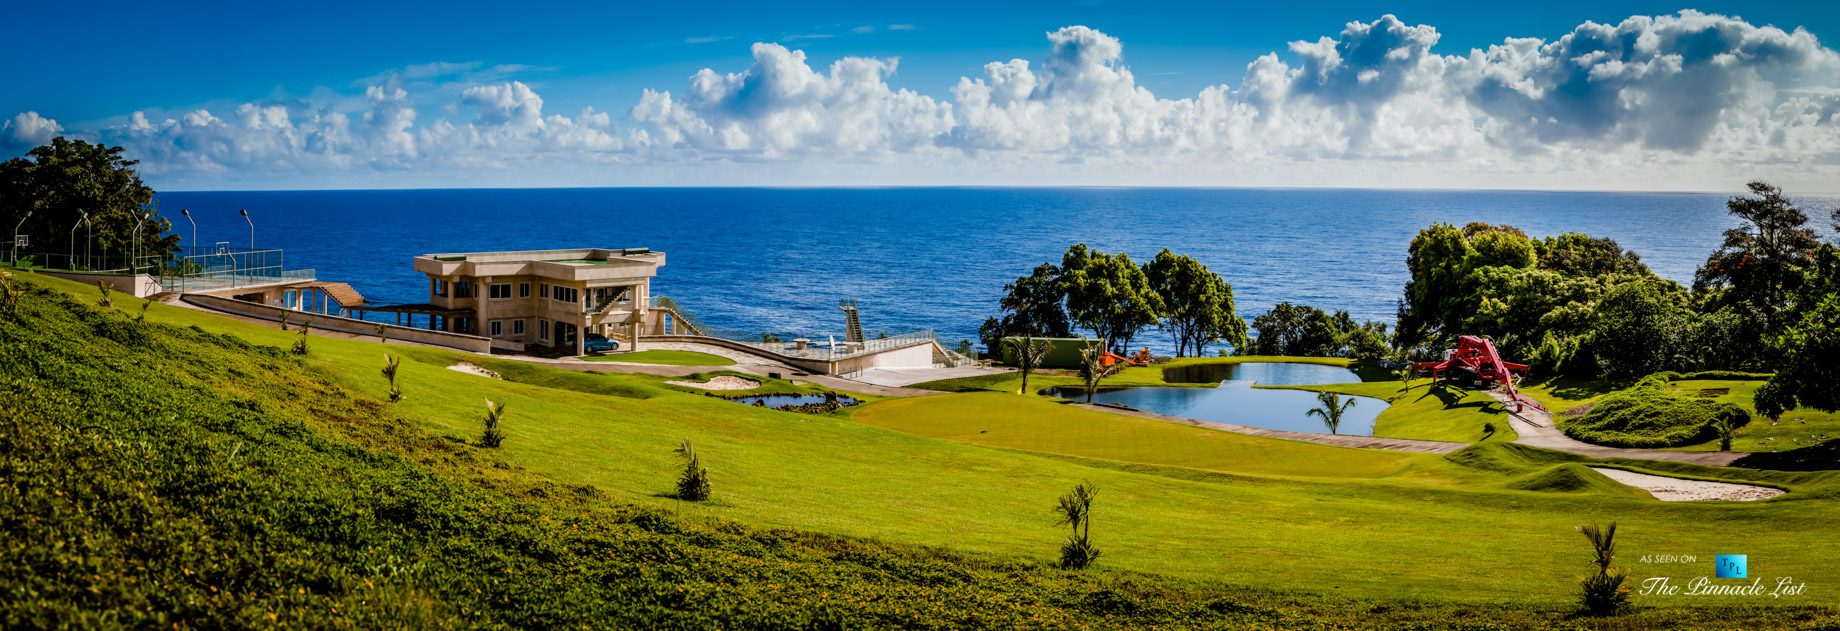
point(693, 485)
point(284, 318)
point(1603, 592)
point(1029, 353)
point(1722, 425)
point(1075, 509)
point(144, 307)
point(1093, 368)
point(390, 364)
point(493, 436)
point(300, 343)
point(1331, 410)
point(103, 287)
point(383, 334)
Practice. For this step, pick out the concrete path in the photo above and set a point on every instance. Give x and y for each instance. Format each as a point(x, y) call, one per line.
point(1357, 442)
point(896, 377)
point(1536, 429)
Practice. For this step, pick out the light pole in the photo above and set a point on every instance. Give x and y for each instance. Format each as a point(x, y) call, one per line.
point(89, 236)
point(134, 254)
point(16, 227)
point(71, 262)
point(249, 259)
point(188, 217)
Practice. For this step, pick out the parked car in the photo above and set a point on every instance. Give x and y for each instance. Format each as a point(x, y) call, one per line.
point(597, 343)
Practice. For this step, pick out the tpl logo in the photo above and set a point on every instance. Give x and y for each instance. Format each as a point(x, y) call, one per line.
point(1730, 566)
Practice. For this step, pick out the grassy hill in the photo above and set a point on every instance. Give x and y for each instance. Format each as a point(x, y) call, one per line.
point(188, 470)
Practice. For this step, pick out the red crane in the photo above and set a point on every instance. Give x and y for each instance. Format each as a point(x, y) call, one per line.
point(1475, 358)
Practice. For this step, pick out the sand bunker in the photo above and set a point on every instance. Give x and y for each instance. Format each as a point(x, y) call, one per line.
point(1678, 490)
point(473, 369)
point(723, 382)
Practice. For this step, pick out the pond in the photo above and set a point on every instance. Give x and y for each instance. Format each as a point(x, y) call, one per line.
point(1235, 401)
point(798, 401)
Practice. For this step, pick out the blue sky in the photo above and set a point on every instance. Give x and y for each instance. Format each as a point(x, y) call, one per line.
point(306, 64)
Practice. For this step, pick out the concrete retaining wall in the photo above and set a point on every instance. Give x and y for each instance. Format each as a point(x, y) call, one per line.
point(458, 341)
point(139, 286)
point(916, 356)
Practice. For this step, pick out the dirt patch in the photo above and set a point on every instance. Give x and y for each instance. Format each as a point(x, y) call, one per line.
point(1578, 411)
point(1679, 490)
point(1713, 393)
point(722, 382)
point(474, 369)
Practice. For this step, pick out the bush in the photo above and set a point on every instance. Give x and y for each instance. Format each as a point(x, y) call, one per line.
point(1650, 416)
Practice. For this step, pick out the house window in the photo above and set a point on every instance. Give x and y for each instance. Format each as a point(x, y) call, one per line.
point(542, 290)
point(463, 289)
point(566, 294)
point(498, 328)
point(523, 290)
point(543, 329)
point(440, 287)
point(501, 292)
point(517, 326)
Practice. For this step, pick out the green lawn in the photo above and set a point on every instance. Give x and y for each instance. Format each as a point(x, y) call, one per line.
point(1174, 501)
point(1427, 411)
point(665, 358)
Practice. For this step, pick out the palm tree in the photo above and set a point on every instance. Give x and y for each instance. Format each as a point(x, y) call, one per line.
point(1075, 510)
point(1332, 409)
point(1603, 592)
point(390, 364)
point(1093, 367)
point(1029, 353)
point(693, 485)
point(383, 334)
point(493, 436)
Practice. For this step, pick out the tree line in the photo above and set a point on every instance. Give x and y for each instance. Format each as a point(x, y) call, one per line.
point(57, 188)
point(1765, 301)
point(1116, 299)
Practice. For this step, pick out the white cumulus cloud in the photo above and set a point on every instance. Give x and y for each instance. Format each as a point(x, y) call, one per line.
point(1670, 101)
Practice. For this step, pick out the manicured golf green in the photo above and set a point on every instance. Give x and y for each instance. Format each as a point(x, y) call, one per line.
point(1173, 500)
point(665, 358)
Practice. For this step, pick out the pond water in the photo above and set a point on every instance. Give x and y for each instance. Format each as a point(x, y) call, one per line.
point(1235, 401)
point(783, 401)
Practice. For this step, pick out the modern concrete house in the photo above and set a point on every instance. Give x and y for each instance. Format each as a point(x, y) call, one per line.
point(551, 298)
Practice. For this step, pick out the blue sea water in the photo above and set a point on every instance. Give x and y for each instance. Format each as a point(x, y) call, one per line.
point(778, 259)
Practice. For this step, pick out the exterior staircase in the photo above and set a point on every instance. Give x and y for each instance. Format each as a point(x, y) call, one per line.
point(853, 321)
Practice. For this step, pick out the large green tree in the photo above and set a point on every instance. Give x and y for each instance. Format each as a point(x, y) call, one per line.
point(1295, 330)
point(1579, 255)
point(1639, 327)
point(1760, 264)
point(1440, 259)
point(61, 181)
point(1808, 373)
point(1197, 303)
point(1032, 307)
point(1108, 294)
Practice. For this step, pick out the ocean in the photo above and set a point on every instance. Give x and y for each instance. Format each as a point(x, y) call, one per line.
point(778, 260)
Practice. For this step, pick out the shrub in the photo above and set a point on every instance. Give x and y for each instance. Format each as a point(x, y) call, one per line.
point(493, 436)
point(103, 288)
point(383, 334)
point(148, 304)
point(1650, 416)
point(693, 484)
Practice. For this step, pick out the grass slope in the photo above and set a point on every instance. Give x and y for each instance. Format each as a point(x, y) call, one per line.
point(1428, 411)
point(575, 450)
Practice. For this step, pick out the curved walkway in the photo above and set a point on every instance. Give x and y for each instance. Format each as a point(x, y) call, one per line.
point(1536, 429)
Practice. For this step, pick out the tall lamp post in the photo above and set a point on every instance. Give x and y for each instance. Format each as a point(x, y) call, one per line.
point(71, 262)
point(134, 254)
point(188, 217)
point(16, 227)
point(89, 236)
